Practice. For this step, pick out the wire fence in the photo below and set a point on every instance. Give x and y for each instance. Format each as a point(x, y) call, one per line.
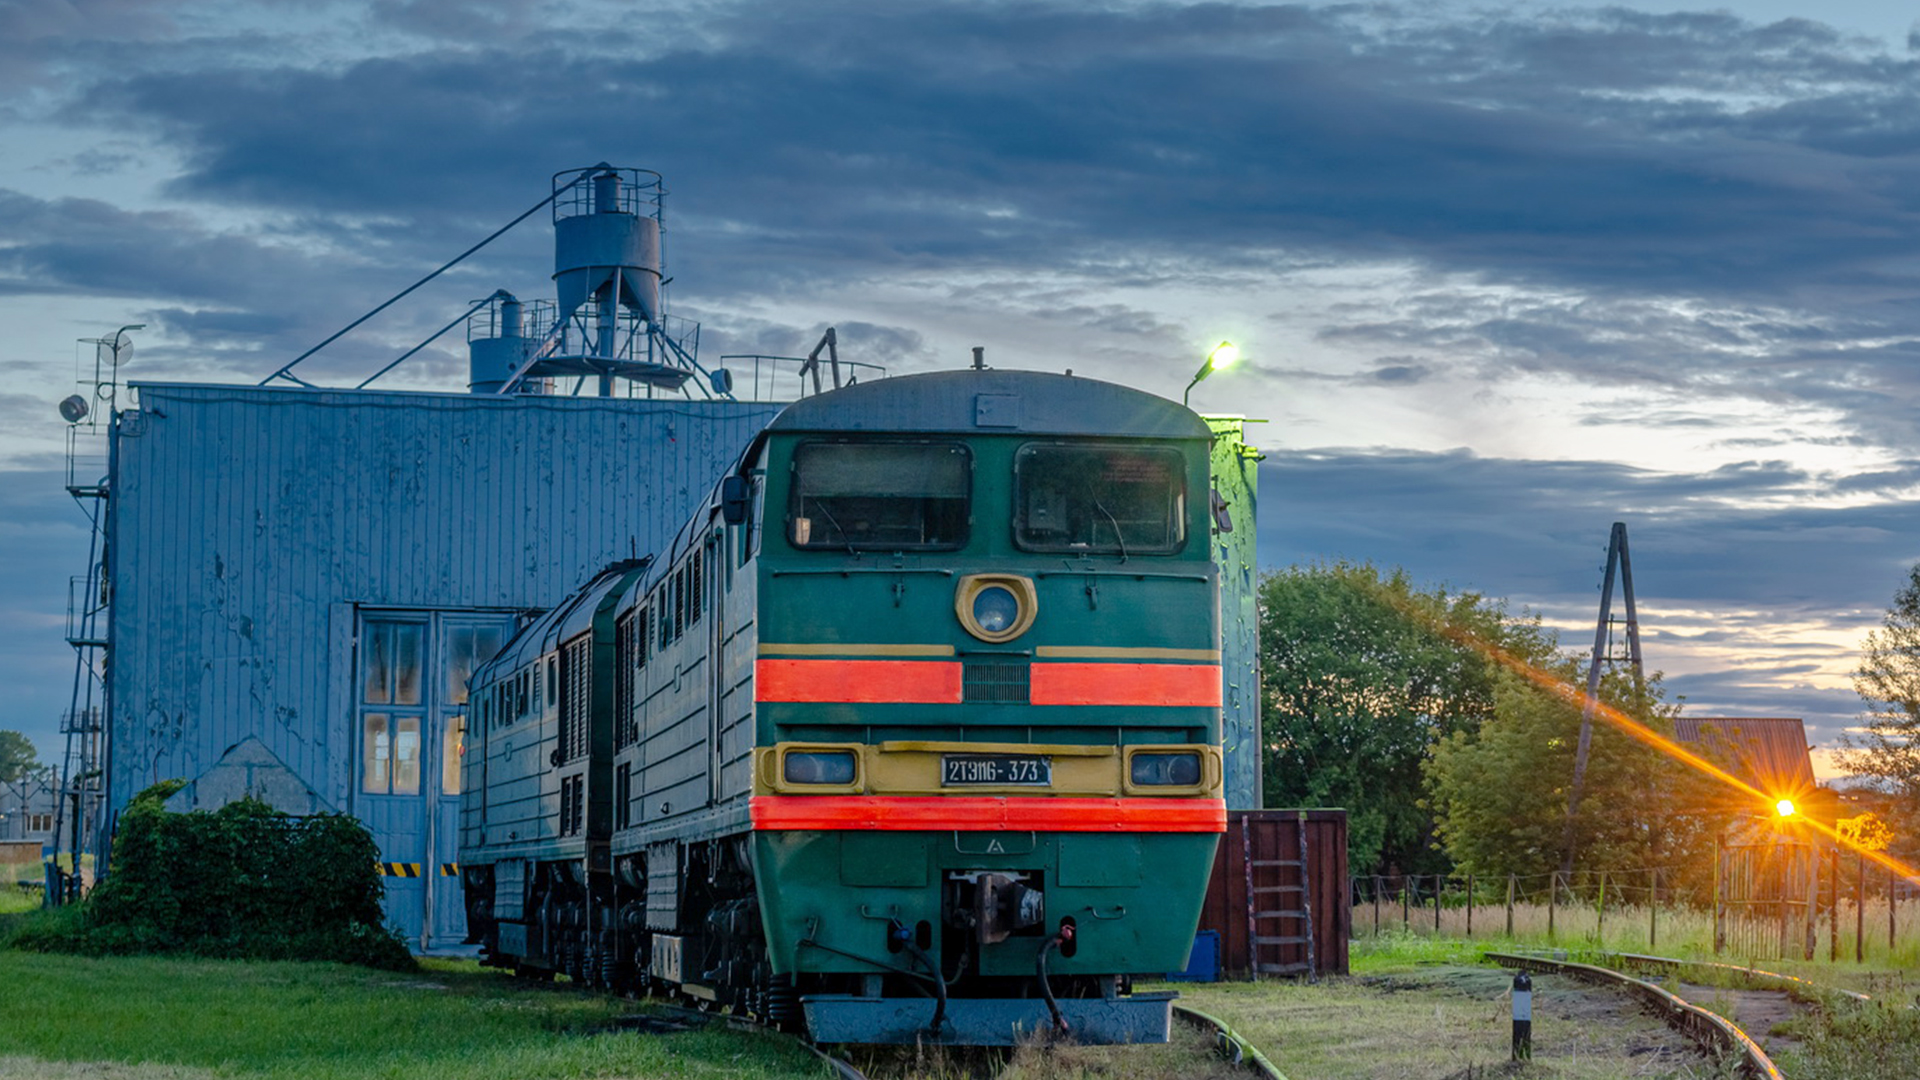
point(1828, 906)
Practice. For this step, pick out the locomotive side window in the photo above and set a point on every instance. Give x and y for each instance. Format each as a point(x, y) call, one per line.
point(879, 496)
point(1099, 499)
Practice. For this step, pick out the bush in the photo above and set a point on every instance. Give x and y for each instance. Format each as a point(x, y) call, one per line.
point(243, 881)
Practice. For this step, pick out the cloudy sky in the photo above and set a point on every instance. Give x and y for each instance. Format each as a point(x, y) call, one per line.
point(1503, 274)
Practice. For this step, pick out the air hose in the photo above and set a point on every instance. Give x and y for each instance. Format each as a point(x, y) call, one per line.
point(1060, 937)
point(905, 937)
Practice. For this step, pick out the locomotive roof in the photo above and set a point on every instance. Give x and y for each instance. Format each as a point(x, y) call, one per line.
point(995, 402)
point(573, 615)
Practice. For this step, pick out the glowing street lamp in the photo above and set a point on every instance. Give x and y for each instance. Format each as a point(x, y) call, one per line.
point(1222, 356)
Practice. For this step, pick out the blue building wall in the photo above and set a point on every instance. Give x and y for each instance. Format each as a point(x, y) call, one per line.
point(256, 533)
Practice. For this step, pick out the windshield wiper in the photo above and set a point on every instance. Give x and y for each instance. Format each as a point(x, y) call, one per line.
point(828, 514)
point(1117, 538)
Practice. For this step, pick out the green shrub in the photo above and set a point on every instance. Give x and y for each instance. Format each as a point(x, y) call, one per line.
point(243, 881)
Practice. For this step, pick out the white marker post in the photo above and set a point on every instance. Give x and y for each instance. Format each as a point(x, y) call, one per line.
point(1522, 1017)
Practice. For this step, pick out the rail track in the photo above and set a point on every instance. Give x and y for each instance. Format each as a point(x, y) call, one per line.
point(1227, 1042)
point(1776, 980)
point(1714, 1032)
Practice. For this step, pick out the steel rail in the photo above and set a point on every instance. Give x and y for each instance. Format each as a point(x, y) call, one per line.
point(1710, 1029)
point(1231, 1044)
point(1779, 981)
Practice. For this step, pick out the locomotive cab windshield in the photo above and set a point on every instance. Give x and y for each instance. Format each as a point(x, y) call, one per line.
point(888, 496)
point(1100, 499)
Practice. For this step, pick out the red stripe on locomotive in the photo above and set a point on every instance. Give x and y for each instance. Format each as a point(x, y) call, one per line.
point(987, 813)
point(1127, 684)
point(868, 682)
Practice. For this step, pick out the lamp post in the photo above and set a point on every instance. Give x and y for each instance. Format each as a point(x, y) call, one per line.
point(1222, 356)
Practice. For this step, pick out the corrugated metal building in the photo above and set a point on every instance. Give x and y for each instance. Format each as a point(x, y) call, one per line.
point(1769, 752)
point(303, 579)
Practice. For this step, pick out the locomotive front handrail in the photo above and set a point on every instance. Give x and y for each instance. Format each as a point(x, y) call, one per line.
point(845, 570)
point(1135, 574)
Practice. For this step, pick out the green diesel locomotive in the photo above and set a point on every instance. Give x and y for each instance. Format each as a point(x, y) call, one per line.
point(913, 733)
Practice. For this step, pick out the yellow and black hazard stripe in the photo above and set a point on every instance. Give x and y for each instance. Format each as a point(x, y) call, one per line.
point(399, 869)
point(449, 869)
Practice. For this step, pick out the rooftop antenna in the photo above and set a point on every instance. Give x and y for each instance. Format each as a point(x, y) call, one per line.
point(1603, 653)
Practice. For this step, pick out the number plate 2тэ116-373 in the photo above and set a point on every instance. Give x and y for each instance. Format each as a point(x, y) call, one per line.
point(969, 770)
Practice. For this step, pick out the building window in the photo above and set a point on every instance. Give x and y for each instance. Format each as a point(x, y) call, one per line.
point(467, 648)
point(414, 670)
point(455, 736)
point(39, 822)
point(390, 754)
point(392, 663)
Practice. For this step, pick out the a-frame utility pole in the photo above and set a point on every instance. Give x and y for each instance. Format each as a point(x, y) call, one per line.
point(1603, 654)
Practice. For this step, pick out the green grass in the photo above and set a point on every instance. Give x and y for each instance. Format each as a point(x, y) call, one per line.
point(12, 897)
point(206, 1019)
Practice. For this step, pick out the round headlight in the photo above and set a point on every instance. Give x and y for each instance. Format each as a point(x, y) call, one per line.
point(995, 609)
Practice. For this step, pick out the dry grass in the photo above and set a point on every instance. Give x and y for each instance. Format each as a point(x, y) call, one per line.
point(1667, 931)
point(1189, 1056)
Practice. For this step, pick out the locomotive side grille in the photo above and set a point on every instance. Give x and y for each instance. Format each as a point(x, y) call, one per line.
point(626, 642)
point(576, 695)
point(697, 602)
point(995, 682)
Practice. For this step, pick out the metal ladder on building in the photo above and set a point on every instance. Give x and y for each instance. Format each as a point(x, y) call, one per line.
point(81, 785)
point(1279, 912)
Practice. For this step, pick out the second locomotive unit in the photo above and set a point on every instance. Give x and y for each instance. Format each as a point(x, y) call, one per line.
point(913, 733)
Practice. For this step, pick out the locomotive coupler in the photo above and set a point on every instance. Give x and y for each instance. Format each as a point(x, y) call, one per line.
point(994, 905)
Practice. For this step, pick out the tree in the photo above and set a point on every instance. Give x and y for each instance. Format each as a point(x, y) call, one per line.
point(1888, 749)
point(18, 758)
point(1499, 793)
point(1362, 674)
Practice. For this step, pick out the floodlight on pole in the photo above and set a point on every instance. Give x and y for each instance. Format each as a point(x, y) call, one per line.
point(1222, 356)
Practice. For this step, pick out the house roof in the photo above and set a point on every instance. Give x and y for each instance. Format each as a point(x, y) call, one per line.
point(1769, 752)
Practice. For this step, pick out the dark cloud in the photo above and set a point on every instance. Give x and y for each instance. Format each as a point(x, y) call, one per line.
point(1539, 528)
point(1731, 577)
point(1606, 163)
point(1017, 133)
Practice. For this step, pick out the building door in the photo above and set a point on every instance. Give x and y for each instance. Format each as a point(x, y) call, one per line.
point(412, 676)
